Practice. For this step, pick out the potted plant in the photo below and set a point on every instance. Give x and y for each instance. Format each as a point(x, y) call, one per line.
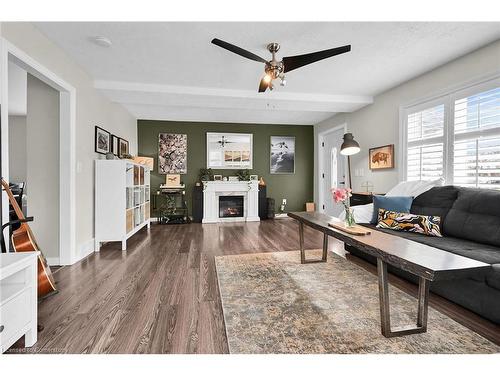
point(206, 174)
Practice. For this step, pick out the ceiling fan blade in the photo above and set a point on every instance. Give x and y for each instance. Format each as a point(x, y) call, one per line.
point(238, 50)
point(263, 85)
point(294, 62)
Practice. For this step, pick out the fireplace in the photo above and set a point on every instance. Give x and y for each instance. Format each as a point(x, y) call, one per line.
point(231, 206)
point(244, 196)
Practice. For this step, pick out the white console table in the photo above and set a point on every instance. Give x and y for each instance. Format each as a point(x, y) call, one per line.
point(18, 298)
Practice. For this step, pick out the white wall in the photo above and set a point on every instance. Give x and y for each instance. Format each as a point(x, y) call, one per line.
point(17, 154)
point(17, 90)
point(42, 131)
point(92, 108)
point(378, 124)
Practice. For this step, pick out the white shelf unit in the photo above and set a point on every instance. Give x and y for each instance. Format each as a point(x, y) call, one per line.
point(122, 200)
point(18, 298)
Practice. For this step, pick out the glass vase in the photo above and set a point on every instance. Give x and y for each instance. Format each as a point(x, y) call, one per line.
point(349, 217)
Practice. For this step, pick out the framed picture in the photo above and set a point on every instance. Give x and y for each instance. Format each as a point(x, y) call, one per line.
point(229, 150)
point(282, 155)
point(172, 153)
point(217, 177)
point(102, 141)
point(254, 177)
point(115, 149)
point(381, 157)
point(173, 180)
point(122, 147)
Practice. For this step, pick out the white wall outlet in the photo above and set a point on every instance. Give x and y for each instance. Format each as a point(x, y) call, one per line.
point(284, 201)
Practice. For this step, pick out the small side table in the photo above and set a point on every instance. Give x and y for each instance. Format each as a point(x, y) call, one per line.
point(172, 208)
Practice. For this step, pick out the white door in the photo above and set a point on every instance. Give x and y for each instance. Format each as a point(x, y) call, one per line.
point(333, 174)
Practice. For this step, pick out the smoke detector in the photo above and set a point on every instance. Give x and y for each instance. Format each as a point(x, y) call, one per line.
point(101, 41)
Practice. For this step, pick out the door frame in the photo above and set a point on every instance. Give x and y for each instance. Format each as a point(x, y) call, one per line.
point(321, 163)
point(67, 143)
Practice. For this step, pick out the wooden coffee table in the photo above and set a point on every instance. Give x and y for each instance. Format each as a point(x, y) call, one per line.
point(426, 262)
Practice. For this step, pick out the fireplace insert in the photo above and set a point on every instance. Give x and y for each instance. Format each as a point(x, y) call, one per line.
point(231, 206)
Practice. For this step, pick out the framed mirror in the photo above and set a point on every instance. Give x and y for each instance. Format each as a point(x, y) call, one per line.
point(229, 150)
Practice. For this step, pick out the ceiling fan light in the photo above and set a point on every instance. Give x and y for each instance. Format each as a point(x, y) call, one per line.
point(267, 78)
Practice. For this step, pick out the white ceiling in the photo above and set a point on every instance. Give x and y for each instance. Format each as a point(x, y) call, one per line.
point(171, 71)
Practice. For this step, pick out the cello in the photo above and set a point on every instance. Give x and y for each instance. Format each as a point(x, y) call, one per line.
point(23, 240)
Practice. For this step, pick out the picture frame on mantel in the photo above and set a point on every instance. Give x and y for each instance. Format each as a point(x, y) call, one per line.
point(380, 158)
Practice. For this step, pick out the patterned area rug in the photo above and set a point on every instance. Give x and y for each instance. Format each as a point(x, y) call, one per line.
point(274, 304)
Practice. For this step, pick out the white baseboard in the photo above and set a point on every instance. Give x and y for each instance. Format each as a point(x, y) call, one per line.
point(281, 216)
point(85, 249)
point(53, 261)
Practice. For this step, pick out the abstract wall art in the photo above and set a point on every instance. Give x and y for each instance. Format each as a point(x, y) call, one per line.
point(172, 153)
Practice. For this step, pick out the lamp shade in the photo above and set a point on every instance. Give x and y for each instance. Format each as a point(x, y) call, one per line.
point(349, 146)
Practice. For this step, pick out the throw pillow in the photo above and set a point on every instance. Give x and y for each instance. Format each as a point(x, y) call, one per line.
point(428, 225)
point(397, 204)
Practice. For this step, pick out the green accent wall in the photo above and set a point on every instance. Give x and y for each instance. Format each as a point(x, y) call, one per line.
point(296, 188)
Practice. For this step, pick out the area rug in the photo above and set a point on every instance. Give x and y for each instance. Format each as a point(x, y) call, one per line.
point(274, 304)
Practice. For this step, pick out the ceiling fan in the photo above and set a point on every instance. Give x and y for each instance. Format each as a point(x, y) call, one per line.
point(276, 69)
point(223, 141)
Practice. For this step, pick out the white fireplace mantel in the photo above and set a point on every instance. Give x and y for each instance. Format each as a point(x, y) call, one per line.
point(212, 190)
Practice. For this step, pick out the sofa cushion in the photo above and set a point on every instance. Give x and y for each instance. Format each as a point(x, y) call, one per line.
point(475, 216)
point(397, 204)
point(436, 202)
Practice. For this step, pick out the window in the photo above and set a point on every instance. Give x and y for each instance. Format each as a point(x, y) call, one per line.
point(425, 144)
point(456, 136)
point(333, 171)
point(425, 162)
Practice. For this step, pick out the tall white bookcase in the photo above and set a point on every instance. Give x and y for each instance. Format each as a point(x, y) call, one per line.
point(122, 200)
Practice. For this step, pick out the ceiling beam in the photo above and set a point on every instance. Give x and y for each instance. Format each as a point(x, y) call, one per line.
point(128, 93)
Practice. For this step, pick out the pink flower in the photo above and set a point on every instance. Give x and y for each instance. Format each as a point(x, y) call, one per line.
point(340, 195)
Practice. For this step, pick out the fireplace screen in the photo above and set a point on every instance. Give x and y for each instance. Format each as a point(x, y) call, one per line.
point(231, 206)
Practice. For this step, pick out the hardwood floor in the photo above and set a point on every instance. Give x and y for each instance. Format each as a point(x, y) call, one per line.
point(161, 295)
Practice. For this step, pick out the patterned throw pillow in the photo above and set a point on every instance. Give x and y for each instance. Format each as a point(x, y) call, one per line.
point(428, 225)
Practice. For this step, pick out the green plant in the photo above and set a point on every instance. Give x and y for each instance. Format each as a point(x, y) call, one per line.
point(206, 174)
point(243, 175)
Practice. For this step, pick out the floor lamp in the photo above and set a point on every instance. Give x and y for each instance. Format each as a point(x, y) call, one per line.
point(349, 147)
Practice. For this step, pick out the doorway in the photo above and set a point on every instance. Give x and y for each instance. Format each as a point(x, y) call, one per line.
point(64, 95)
point(332, 169)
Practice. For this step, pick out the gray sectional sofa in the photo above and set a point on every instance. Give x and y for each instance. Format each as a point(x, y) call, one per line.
point(470, 224)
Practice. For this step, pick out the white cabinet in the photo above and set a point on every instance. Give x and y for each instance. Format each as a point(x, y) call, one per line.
point(18, 298)
point(122, 200)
